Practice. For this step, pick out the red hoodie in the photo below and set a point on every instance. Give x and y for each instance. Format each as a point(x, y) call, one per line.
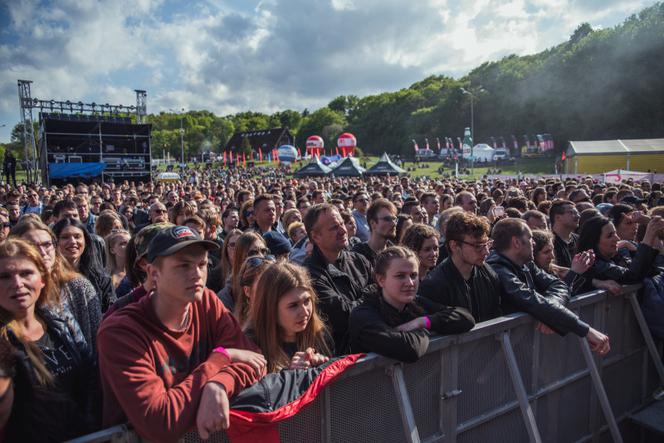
point(154, 377)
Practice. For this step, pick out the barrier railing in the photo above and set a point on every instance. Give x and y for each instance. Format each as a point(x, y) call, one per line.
point(501, 381)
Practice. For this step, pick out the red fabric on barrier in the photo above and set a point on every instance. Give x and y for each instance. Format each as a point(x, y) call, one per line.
point(251, 427)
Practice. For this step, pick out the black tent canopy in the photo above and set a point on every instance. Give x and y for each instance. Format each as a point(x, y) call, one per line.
point(348, 167)
point(313, 169)
point(385, 166)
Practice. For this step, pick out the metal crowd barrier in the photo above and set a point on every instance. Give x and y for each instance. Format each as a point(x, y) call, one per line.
point(501, 382)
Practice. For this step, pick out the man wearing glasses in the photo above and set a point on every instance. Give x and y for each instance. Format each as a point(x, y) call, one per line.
point(158, 213)
point(360, 207)
point(34, 206)
point(382, 218)
point(464, 279)
point(564, 221)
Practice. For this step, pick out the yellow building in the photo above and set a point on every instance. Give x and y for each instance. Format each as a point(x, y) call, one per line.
point(594, 157)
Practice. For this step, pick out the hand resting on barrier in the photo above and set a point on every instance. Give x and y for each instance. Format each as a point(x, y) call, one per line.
point(213, 410)
point(612, 286)
point(254, 359)
point(598, 342)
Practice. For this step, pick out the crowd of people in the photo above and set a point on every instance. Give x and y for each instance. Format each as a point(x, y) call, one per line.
point(155, 303)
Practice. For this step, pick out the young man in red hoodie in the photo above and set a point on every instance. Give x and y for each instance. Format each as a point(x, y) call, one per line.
point(170, 361)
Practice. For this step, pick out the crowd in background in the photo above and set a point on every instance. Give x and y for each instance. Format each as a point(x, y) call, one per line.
point(155, 303)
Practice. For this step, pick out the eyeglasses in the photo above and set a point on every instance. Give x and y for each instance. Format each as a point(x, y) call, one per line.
point(6, 225)
point(388, 218)
point(255, 261)
point(479, 247)
point(248, 213)
point(160, 211)
point(259, 251)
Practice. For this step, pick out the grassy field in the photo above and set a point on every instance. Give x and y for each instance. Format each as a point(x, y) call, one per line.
point(525, 166)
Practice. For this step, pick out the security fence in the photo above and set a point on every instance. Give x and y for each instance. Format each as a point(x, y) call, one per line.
point(501, 382)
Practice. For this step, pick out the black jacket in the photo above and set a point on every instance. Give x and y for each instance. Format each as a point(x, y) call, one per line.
point(339, 287)
point(563, 251)
point(480, 295)
point(373, 323)
point(636, 270)
point(529, 289)
point(368, 253)
point(47, 413)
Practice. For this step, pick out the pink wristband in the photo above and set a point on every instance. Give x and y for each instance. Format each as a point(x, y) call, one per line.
point(427, 323)
point(223, 350)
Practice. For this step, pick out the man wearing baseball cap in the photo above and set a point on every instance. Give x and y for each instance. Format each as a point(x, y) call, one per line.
point(170, 361)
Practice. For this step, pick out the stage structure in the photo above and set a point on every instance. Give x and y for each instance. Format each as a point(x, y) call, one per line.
point(86, 140)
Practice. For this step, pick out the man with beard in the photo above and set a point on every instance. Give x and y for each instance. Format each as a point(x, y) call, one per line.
point(382, 218)
point(529, 289)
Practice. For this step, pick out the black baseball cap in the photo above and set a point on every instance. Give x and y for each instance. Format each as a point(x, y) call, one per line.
point(631, 200)
point(171, 240)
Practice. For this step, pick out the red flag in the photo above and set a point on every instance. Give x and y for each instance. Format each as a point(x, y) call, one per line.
point(244, 160)
point(260, 155)
point(337, 150)
point(224, 159)
point(563, 157)
point(299, 152)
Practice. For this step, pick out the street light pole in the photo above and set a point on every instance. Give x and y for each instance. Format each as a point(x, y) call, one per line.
point(181, 140)
point(181, 134)
point(472, 125)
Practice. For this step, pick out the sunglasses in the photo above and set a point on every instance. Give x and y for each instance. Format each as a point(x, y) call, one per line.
point(255, 261)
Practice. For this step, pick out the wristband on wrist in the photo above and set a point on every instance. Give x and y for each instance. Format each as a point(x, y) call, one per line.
point(427, 323)
point(222, 350)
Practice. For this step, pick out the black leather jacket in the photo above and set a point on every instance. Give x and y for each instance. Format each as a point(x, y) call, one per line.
point(529, 289)
point(480, 295)
point(47, 413)
point(339, 286)
point(640, 267)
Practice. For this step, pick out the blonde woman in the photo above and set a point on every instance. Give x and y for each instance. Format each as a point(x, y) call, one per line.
point(47, 368)
point(116, 254)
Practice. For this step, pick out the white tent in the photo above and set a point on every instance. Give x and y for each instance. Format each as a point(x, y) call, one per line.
point(482, 152)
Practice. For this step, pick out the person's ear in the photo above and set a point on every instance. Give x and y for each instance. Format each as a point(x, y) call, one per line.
point(380, 279)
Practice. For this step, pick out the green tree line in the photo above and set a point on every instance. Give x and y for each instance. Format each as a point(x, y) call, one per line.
point(599, 84)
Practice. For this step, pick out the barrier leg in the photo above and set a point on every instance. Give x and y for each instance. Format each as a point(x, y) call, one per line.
point(407, 418)
point(647, 336)
point(520, 389)
point(599, 390)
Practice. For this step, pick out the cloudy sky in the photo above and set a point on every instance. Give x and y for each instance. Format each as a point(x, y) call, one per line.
point(233, 55)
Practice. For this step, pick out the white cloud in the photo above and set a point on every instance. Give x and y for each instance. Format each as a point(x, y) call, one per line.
point(270, 54)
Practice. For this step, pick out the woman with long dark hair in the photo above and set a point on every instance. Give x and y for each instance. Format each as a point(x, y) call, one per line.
point(75, 245)
point(52, 392)
point(599, 234)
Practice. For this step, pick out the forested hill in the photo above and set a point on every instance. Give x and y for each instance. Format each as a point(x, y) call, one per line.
point(599, 84)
